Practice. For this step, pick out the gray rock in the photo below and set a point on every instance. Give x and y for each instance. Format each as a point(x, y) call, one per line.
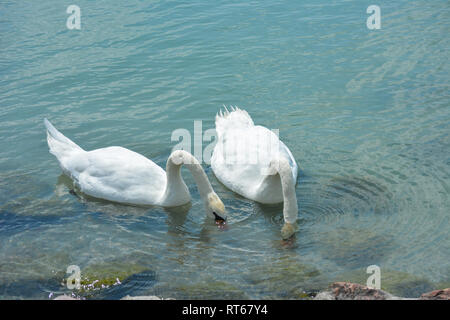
point(354, 291)
point(65, 297)
point(443, 294)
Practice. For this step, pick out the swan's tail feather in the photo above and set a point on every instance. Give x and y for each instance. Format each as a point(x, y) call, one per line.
point(59, 145)
point(236, 118)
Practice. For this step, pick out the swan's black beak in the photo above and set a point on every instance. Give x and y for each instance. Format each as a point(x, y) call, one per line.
point(218, 218)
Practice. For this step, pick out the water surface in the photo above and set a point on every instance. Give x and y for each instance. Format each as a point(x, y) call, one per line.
point(365, 113)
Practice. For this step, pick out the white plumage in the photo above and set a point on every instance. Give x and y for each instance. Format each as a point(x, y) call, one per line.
point(121, 175)
point(253, 162)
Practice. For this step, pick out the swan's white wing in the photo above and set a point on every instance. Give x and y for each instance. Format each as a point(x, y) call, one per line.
point(118, 174)
point(241, 159)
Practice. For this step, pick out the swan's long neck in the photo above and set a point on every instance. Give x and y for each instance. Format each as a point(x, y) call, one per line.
point(176, 190)
point(290, 207)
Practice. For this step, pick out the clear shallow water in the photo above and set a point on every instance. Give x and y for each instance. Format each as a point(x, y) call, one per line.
point(365, 113)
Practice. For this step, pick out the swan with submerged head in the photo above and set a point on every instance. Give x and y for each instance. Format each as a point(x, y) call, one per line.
point(121, 175)
point(252, 161)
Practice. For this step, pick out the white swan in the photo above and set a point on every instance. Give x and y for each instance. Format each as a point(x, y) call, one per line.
point(121, 175)
point(253, 162)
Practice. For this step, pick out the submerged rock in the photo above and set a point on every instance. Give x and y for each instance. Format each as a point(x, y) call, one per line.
point(355, 291)
point(353, 248)
point(108, 274)
point(211, 289)
point(115, 279)
point(285, 277)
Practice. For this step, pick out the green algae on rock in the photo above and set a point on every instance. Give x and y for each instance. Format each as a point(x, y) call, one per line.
point(105, 275)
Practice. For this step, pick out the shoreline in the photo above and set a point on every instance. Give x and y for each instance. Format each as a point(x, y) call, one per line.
point(336, 291)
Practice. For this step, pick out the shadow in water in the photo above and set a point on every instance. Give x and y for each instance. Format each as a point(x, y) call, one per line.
point(176, 216)
point(66, 186)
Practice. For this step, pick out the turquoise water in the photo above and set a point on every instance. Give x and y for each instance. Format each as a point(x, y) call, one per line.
point(365, 113)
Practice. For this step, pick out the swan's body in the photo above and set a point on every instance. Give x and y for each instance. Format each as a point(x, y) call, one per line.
point(121, 175)
point(253, 162)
